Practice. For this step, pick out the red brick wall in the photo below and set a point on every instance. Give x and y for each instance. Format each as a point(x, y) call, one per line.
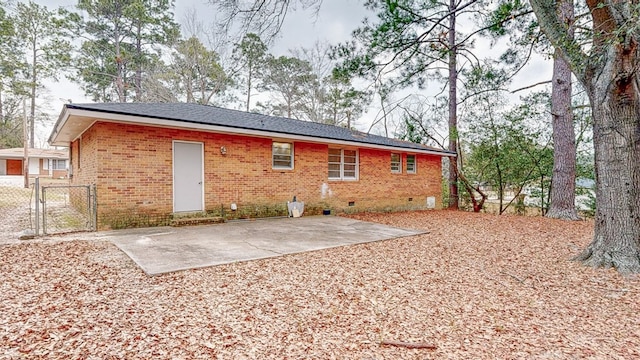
point(377, 187)
point(83, 155)
point(132, 166)
point(57, 174)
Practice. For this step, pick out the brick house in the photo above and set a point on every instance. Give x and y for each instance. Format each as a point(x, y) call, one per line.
point(149, 161)
point(51, 163)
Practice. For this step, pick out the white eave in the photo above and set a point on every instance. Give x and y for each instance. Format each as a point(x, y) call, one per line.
point(73, 122)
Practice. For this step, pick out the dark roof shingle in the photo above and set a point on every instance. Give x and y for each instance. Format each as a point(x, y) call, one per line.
point(211, 115)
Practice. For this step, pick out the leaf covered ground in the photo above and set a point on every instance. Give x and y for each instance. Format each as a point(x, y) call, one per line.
point(476, 286)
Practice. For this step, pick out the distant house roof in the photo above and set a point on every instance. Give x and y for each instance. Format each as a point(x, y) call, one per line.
point(76, 118)
point(18, 153)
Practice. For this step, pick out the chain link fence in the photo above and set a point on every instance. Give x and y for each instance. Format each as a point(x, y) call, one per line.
point(50, 208)
point(17, 208)
point(67, 208)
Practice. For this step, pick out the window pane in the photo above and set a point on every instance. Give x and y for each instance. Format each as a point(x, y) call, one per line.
point(281, 161)
point(395, 162)
point(334, 167)
point(58, 164)
point(350, 160)
point(349, 171)
point(411, 163)
point(282, 155)
point(281, 151)
point(343, 164)
point(350, 153)
point(349, 174)
point(335, 156)
point(282, 148)
point(334, 174)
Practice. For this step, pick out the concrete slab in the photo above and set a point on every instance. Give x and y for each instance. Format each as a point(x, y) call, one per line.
point(166, 249)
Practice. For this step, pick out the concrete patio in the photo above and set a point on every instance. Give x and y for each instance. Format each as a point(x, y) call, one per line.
point(167, 249)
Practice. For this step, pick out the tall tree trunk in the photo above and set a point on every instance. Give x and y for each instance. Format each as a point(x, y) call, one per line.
point(562, 205)
point(615, 102)
point(609, 73)
point(616, 240)
point(249, 85)
point(453, 106)
point(138, 79)
point(119, 80)
point(189, 90)
point(32, 110)
point(500, 189)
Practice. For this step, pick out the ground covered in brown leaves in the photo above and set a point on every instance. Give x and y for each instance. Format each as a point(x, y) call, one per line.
point(476, 286)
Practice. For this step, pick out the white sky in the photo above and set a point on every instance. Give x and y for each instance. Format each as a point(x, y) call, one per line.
point(334, 23)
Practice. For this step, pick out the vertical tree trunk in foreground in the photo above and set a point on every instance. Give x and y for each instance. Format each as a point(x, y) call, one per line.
point(609, 73)
point(563, 189)
point(612, 84)
point(249, 85)
point(33, 85)
point(453, 107)
point(616, 136)
point(563, 182)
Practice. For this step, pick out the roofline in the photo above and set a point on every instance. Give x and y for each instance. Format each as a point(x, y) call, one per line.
point(34, 153)
point(62, 119)
point(109, 116)
point(11, 157)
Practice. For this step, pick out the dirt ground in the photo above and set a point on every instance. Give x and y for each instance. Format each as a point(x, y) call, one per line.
point(477, 286)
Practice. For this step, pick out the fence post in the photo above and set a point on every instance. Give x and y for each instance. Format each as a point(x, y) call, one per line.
point(37, 190)
point(95, 206)
point(44, 211)
point(89, 210)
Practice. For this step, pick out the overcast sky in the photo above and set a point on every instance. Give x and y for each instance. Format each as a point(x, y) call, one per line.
point(302, 28)
point(333, 24)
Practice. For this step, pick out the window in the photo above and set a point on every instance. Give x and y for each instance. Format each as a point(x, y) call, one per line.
point(343, 164)
point(282, 155)
point(411, 164)
point(396, 163)
point(58, 164)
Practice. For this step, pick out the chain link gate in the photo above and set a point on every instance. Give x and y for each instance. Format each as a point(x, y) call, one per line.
point(68, 208)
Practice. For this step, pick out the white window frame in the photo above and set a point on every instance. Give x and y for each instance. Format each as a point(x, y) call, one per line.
point(415, 164)
point(55, 162)
point(273, 155)
point(342, 165)
point(396, 166)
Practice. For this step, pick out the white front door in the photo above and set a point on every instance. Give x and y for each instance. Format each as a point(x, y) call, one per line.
point(187, 176)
